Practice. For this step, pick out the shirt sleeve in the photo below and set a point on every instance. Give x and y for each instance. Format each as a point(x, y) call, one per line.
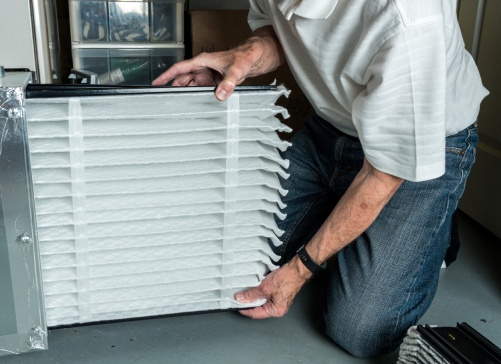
point(400, 116)
point(258, 17)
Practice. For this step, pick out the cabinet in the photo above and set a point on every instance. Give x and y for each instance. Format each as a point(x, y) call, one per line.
point(126, 42)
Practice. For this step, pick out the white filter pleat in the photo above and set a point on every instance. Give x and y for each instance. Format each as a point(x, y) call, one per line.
point(58, 205)
point(155, 155)
point(158, 184)
point(110, 173)
point(155, 204)
point(157, 140)
point(130, 214)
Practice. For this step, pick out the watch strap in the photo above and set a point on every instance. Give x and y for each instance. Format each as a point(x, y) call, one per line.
point(309, 263)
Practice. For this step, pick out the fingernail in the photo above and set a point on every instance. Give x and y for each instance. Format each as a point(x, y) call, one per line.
point(221, 94)
point(239, 297)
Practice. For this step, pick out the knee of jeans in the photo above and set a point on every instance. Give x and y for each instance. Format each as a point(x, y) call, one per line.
point(366, 338)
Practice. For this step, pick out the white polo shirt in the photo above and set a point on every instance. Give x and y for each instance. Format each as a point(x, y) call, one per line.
point(392, 72)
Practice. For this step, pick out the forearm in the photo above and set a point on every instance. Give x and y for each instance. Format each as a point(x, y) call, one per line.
point(369, 192)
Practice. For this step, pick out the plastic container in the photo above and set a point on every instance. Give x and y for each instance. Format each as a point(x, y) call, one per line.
point(127, 21)
point(122, 66)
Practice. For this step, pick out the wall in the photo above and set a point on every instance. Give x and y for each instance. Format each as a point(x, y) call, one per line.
point(16, 40)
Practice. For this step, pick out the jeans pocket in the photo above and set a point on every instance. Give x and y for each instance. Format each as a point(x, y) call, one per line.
point(463, 141)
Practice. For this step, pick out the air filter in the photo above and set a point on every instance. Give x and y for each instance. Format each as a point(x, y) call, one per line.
point(462, 344)
point(152, 201)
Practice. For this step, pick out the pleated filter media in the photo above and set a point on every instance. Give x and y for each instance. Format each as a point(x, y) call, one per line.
point(154, 204)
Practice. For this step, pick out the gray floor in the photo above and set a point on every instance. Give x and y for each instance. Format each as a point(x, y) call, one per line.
point(469, 291)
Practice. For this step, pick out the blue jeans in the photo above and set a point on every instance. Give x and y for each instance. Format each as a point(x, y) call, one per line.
point(385, 280)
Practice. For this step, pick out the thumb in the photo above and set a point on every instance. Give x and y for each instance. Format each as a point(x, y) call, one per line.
point(250, 295)
point(225, 89)
point(232, 77)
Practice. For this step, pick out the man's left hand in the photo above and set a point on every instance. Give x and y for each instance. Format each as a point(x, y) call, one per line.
point(279, 288)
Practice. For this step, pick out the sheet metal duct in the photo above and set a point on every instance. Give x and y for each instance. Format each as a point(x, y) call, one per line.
point(151, 202)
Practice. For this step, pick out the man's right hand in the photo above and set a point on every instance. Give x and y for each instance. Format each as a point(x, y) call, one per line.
point(225, 70)
point(260, 54)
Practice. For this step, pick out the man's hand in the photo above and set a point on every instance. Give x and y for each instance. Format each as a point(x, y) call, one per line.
point(262, 53)
point(279, 288)
point(225, 70)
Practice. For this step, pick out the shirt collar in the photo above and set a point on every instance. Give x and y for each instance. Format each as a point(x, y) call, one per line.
point(312, 9)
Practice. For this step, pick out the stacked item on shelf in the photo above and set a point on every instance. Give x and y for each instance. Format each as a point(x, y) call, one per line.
point(126, 42)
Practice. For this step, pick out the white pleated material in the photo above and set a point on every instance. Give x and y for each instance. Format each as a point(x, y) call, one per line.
point(154, 204)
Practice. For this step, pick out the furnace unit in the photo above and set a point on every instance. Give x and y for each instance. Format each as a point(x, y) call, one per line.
point(126, 202)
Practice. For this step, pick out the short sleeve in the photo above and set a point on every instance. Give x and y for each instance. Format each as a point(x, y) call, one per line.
point(400, 116)
point(258, 17)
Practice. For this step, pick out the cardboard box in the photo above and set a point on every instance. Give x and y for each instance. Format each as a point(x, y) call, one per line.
point(220, 30)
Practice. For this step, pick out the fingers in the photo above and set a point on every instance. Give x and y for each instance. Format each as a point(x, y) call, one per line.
point(167, 76)
point(207, 69)
point(186, 67)
point(183, 80)
point(249, 296)
point(258, 313)
point(278, 288)
point(268, 310)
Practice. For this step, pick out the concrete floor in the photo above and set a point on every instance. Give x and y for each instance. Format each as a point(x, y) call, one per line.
point(469, 291)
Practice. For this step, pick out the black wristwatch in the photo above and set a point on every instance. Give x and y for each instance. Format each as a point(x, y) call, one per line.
point(309, 263)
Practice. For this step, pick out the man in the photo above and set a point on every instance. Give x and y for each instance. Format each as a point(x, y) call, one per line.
point(377, 173)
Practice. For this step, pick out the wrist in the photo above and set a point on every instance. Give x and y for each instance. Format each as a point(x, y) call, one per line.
point(256, 46)
point(266, 50)
point(308, 262)
point(303, 273)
